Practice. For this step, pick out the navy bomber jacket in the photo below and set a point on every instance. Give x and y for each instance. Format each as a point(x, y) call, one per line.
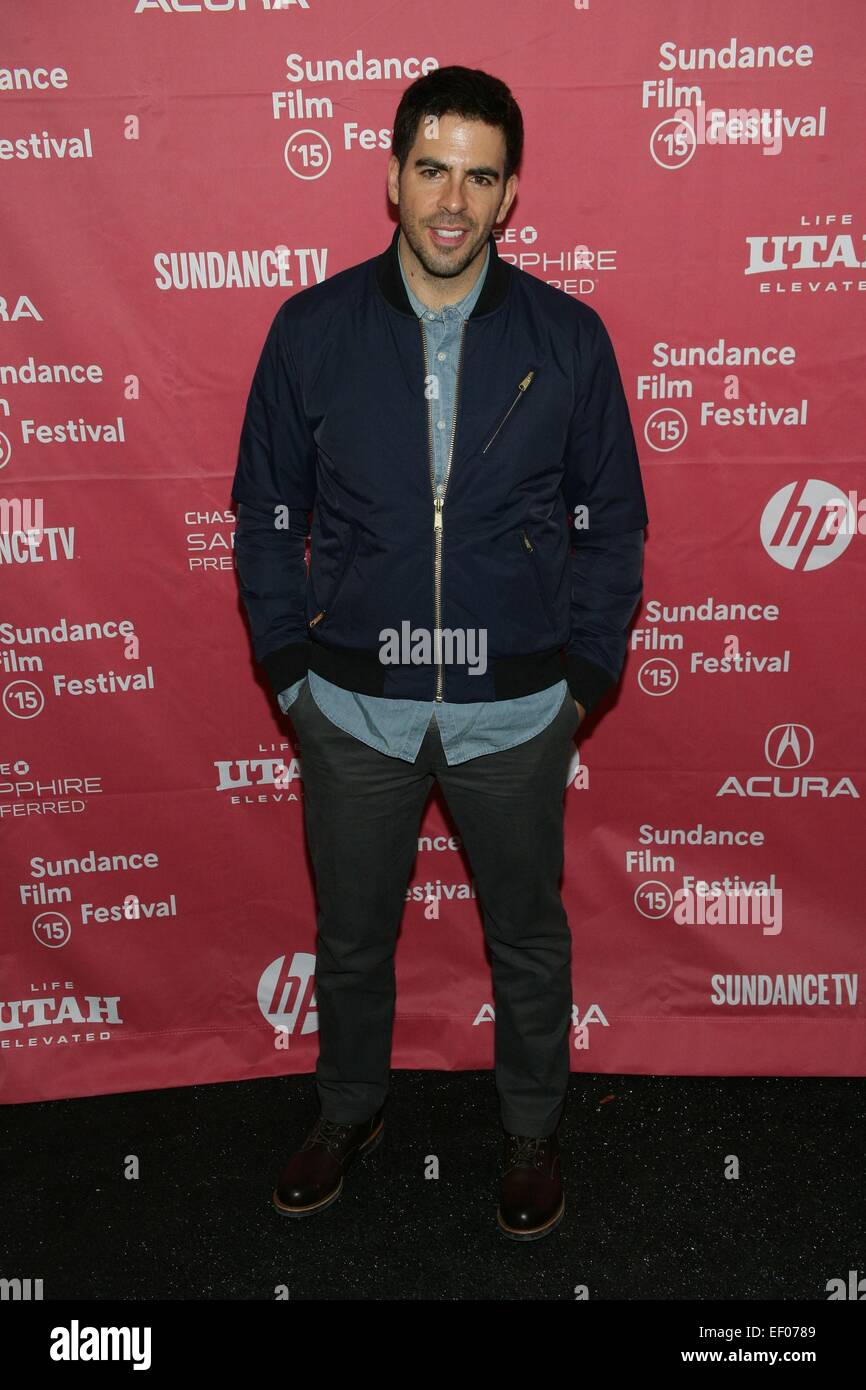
point(337, 424)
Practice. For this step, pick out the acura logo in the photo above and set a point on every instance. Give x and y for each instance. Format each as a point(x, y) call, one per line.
point(789, 745)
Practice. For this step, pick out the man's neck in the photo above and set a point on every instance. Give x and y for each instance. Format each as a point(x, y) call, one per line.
point(438, 290)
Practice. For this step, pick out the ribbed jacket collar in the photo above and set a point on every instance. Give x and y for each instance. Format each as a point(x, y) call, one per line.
point(390, 281)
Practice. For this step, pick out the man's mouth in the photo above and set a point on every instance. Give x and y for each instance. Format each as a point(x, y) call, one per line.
point(449, 236)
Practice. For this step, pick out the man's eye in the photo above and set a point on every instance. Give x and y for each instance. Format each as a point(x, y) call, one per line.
point(482, 179)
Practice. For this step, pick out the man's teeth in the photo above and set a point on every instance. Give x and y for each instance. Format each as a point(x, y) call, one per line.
point(443, 231)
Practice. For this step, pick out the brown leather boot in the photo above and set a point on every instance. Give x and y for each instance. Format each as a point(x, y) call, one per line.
point(532, 1201)
point(313, 1177)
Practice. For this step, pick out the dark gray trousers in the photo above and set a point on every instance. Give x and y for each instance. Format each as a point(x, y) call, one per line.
point(362, 813)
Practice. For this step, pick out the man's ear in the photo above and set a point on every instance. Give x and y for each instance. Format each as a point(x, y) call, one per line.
point(508, 196)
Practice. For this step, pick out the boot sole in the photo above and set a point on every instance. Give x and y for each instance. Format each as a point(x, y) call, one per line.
point(537, 1232)
point(314, 1207)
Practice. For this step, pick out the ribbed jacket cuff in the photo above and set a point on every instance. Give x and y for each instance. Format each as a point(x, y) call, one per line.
point(586, 681)
point(287, 665)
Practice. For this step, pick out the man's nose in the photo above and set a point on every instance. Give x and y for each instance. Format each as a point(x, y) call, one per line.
point(453, 198)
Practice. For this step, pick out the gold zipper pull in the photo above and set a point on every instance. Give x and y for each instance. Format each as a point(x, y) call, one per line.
point(526, 380)
point(437, 513)
point(318, 618)
point(527, 542)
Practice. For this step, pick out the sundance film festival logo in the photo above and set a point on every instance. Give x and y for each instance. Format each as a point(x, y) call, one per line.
point(286, 994)
point(744, 125)
point(800, 527)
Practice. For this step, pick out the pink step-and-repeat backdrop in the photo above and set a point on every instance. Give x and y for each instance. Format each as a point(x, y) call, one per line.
point(695, 172)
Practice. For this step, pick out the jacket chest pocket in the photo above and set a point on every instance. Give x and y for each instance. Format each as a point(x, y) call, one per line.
point(521, 389)
point(328, 609)
point(529, 550)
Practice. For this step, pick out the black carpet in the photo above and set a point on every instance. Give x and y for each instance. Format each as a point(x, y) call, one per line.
point(649, 1211)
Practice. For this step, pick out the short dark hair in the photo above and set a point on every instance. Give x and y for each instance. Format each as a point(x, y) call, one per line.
point(466, 92)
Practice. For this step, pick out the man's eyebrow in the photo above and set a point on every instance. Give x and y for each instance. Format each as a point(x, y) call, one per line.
point(429, 162)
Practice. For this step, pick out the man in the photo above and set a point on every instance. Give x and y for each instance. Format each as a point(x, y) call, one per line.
point(456, 426)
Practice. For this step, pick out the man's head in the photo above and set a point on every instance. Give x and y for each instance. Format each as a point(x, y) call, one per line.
point(458, 139)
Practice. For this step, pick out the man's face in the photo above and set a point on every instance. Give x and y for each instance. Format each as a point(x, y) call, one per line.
point(452, 178)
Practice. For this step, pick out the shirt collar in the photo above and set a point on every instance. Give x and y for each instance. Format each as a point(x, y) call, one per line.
point(463, 306)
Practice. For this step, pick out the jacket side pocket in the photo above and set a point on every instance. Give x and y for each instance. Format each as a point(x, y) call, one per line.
point(344, 570)
point(529, 551)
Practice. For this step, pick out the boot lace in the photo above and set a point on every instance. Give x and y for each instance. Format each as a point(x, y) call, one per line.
point(525, 1151)
point(327, 1134)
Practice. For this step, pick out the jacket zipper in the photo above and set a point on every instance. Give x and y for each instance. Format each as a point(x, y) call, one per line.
point(439, 501)
point(343, 572)
point(530, 550)
point(522, 388)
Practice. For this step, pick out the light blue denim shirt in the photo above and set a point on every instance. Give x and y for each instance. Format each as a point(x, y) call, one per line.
point(397, 727)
